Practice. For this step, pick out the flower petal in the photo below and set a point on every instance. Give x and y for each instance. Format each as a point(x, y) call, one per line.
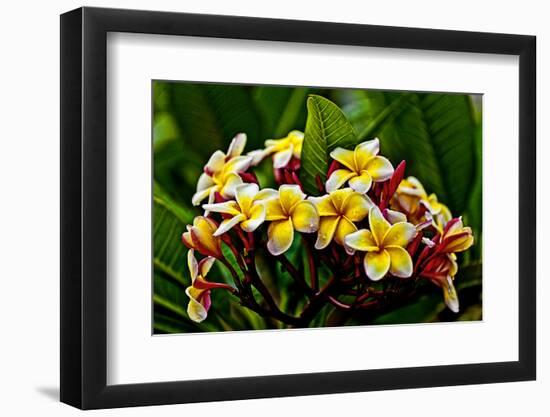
point(195, 310)
point(378, 224)
point(274, 210)
point(394, 216)
point(237, 164)
point(265, 194)
point(458, 242)
point(227, 224)
point(255, 219)
point(400, 262)
point(327, 228)
point(192, 264)
point(201, 195)
point(338, 178)
point(305, 217)
point(231, 181)
point(380, 169)
point(258, 156)
point(364, 152)
point(282, 158)
point(362, 240)
point(345, 228)
point(345, 157)
point(356, 207)
point(324, 205)
point(377, 264)
point(339, 198)
point(236, 147)
point(202, 236)
point(281, 235)
point(361, 183)
point(244, 194)
point(399, 234)
point(290, 195)
point(215, 163)
point(227, 207)
point(205, 264)
point(449, 294)
point(205, 181)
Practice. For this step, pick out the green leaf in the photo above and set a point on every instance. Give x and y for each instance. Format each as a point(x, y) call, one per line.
point(434, 133)
point(211, 114)
point(326, 128)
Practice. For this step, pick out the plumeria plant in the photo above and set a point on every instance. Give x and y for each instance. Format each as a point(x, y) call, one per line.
point(372, 236)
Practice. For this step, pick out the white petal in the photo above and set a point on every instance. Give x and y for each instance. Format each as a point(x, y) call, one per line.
point(227, 224)
point(282, 158)
point(215, 163)
point(192, 264)
point(236, 147)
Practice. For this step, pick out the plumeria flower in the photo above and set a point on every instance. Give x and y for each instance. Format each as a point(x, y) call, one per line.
point(411, 195)
point(441, 270)
point(283, 150)
point(362, 167)
point(221, 172)
point(199, 290)
point(288, 212)
point(247, 210)
point(201, 237)
point(338, 211)
point(455, 237)
point(384, 245)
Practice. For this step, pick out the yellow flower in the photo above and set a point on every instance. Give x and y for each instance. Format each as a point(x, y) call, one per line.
point(221, 172)
point(199, 290)
point(362, 167)
point(201, 237)
point(410, 195)
point(338, 211)
point(384, 245)
point(455, 237)
point(282, 149)
point(287, 212)
point(248, 210)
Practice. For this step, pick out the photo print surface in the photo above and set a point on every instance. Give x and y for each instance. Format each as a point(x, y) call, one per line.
point(281, 207)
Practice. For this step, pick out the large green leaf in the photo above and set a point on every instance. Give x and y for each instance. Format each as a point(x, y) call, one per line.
point(326, 128)
point(434, 133)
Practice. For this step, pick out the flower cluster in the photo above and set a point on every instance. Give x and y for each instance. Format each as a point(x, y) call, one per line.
point(367, 223)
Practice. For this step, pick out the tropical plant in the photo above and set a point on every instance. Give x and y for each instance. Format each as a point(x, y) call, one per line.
point(314, 228)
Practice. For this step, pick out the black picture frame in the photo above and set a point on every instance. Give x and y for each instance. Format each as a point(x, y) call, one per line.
point(84, 207)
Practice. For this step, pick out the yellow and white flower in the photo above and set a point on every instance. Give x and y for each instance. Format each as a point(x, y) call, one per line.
point(200, 237)
point(362, 167)
point(199, 290)
point(411, 194)
point(338, 211)
point(221, 173)
point(282, 149)
point(384, 245)
point(455, 237)
point(247, 210)
point(287, 212)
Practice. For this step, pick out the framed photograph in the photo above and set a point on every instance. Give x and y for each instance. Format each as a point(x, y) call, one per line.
point(257, 208)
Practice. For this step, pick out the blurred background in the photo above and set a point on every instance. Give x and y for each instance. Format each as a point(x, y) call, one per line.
point(439, 135)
